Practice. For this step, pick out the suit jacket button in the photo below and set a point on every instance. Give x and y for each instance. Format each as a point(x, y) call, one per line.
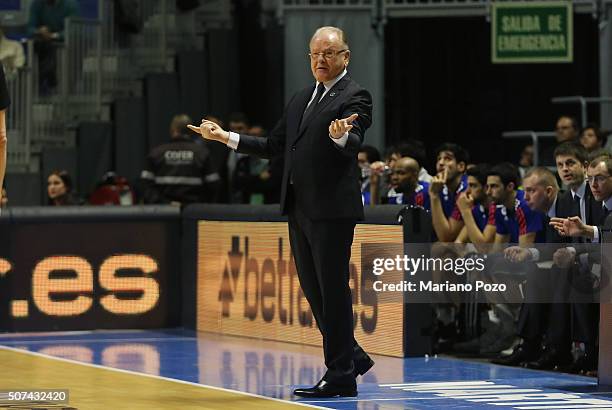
point(293, 148)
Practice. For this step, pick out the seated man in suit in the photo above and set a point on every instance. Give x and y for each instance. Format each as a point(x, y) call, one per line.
point(585, 316)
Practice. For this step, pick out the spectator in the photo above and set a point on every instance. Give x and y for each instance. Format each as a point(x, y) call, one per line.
point(592, 139)
point(12, 56)
point(526, 160)
point(566, 129)
point(237, 122)
point(406, 185)
point(113, 189)
point(46, 26)
point(380, 177)
point(251, 180)
point(180, 171)
point(365, 158)
point(451, 162)
point(59, 189)
point(218, 158)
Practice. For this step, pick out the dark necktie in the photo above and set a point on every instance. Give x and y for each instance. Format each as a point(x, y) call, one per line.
point(314, 102)
point(576, 207)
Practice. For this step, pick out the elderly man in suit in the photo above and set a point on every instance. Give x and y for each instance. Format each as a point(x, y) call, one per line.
point(585, 316)
point(320, 135)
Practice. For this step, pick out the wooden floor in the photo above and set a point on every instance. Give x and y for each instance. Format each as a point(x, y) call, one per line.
point(96, 387)
point(182, 369)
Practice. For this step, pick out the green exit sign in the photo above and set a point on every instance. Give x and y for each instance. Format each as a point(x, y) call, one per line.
point(532, 32)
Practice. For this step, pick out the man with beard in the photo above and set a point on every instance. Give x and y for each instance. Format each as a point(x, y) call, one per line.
point(451, 163)
point(405, 183)
point(474, 207)
point(585, 316)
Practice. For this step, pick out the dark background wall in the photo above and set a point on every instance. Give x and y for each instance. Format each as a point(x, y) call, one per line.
point(441, 85)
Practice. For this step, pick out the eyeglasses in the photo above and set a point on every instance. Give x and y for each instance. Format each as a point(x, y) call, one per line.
point(328, 55)
point(600, 179)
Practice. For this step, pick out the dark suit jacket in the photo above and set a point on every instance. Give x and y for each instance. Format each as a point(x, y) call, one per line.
point(325, 176)
point(593, 210)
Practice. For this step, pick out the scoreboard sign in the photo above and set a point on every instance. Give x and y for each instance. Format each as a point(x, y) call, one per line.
point(84, 276)
point(248, 286)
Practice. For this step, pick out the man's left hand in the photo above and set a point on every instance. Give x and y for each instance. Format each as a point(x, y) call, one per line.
point(517, 254)
point(338, 128)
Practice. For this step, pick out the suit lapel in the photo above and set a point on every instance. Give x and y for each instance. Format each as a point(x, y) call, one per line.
point(301, 101)
point(332, 94)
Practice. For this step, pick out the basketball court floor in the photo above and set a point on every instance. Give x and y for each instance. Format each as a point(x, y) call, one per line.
point(180, 369)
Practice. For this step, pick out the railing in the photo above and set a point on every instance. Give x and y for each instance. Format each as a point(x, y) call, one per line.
point(153, 40)
point(583, 101)
point(453, 8)
point(81, 69)
point(89, 62)
point(535, 140)
point(18, 119)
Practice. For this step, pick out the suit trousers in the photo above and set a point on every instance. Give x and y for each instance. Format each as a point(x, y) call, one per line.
point(551, 320)
point(322, 250)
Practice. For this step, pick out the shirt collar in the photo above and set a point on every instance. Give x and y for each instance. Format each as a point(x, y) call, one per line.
point(329, 84)
point(580, 191)
point(608, 203)
point(552, 211)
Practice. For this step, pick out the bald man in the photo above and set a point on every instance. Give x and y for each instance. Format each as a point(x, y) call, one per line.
point(406, 185)
point(320, 135)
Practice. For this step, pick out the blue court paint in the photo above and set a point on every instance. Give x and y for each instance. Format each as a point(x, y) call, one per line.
point(274, 369)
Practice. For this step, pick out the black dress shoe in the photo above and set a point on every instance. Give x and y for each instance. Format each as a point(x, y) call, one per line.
point(362, 366)
point(325, 389)
point(521, 354)
point(585, 364)
point(551, 360)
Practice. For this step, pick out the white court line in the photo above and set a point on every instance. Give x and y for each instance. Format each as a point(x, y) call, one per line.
point(80, 332)
point(132, 339)
point(347, 400)
point(97, 366)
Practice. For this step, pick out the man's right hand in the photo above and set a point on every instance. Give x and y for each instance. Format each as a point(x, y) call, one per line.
point(572, 226)
point(211, 131)
point(465, 202)
point(437, 183)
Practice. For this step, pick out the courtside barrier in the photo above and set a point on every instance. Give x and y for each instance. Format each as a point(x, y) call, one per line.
point(67, 268)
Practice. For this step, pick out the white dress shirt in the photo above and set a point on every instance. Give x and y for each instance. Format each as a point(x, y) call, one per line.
point(234, 138)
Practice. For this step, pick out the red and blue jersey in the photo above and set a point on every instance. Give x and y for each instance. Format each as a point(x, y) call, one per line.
point(418, 197)
point(517, 221)
point(480, 212)
point(449, 199)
